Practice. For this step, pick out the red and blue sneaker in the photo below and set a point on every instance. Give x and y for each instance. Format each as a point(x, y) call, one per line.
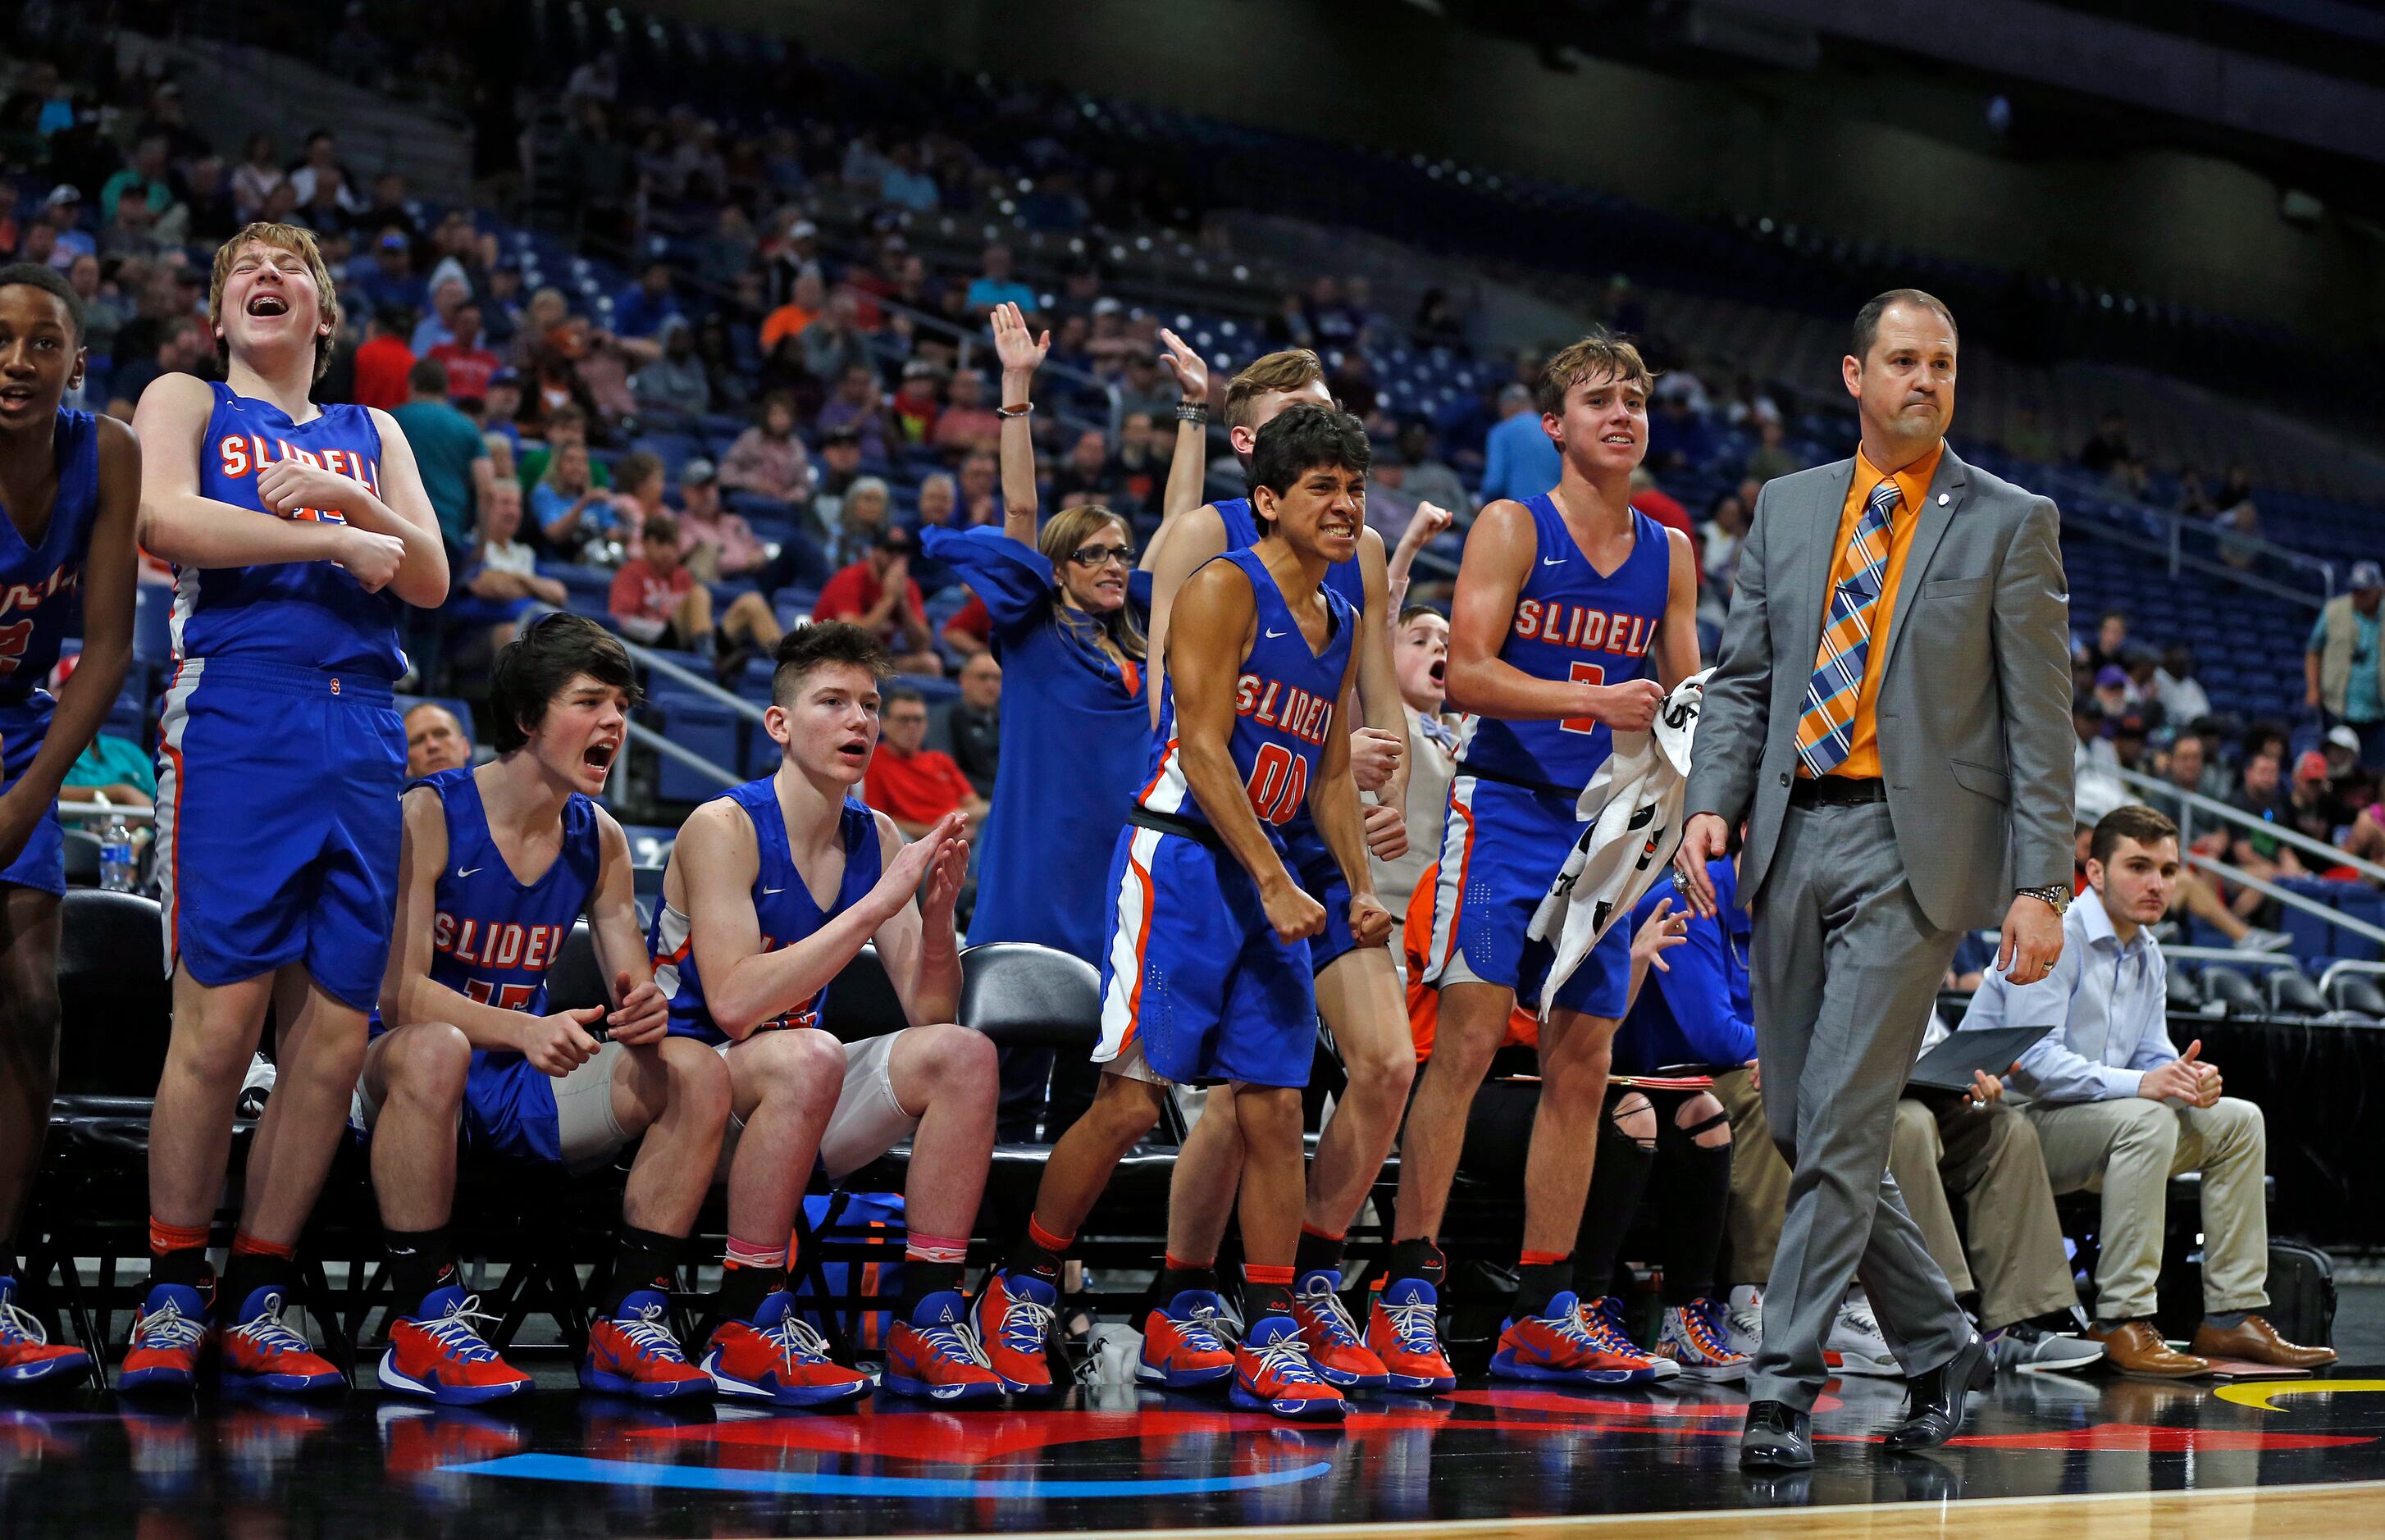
point(261, 1353)
point(27, 1356)
point(1603, 1319)
point(1341, 1356)
point(1272, 1374)
point(437, 1352)
point(1182, 1346)
point(1558, 1348)
point(779, 1357)
point(633, 1353)
point(1404, 1331)
point(935, 1357)
point(168, 1332)
point(1012, 1319)
point(1696, 1336)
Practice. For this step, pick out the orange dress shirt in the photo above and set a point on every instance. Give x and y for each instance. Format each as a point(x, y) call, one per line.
point(1913, 486)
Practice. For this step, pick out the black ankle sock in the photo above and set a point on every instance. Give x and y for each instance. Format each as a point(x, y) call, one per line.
point(419, 1261)
point(7, 1262)
point(1537, 1283)
point(1028, 1257)
point(185, 1265)
point(249, 1271)
point(742, 1289)
point(1415, 1258)
point(921, 1279)
point(647, 1259)
point(1316, 1253)
point(1261, 1300)
point(1173, 1281)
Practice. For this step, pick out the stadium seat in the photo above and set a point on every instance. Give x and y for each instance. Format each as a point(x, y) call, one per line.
point(2292, 994)
point(577, 980)
point(2182, 995)
point(116, 1002)
point(83, 858)
point(2356, 992)
point(1022, 995)
point(861, 1000)
point(2232, 990)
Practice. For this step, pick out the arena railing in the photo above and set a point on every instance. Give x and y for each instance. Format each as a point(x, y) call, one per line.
point(2171, 534)
point(2195, 802)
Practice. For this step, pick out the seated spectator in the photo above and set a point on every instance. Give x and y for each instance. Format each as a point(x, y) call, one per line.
point(2118, 1109)
point(144, 179)
point(970, 630)
point(182, 347)
point(500, 580)
point(2115, 696)
point(2110, 650)
point(114, 769)
point(976, 491)
point(384, 362)
point(2264, 856)
point(1727, 526)
point(995, 284)
point(805, 305)
point(259, 174)
point(1665, 508)
point(877, 593)
point(2093, 761)
point(973, 722)
point(2311, 805)
point(1087, 475)
point(1430, 479)
point(638, 480)
point(567, 425)
point(863, 514)
point(641, 309)
point(2354, 787)
point(2175, 686)
point(857, 405)
point(205, 193)
point(2344, 667)
point(835, 343)
point(434, 741)
point(436, 327)
point(575, 518)
point(1147, 391)
point(717, 545)
point(2128, 732)
point(917, 401)
point(966, 423)
point(675, 384)
point(448, 450)
point(2029, 438)
point(656, 600)
point(767, 460)
point(132, 232)
point(904, 184)
point(913, 785)
point(465, 354)
point(1771, 456)
point(390, 278)
point(1678, 438)
point(2240, 547)
point(1519, 459)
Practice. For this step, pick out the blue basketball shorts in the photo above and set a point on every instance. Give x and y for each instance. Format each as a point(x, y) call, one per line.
point(41, 864)
point(278, 823)
point(1193, 974)
point(1501, 847)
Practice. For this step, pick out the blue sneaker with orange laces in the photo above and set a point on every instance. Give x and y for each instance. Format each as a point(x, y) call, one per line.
point(632, 1352)
point(935, 1357)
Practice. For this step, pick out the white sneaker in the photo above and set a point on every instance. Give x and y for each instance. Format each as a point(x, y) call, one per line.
point(1743, 1322)
point(1855, 1345)
point(2264, 940)
point(2031, 1349)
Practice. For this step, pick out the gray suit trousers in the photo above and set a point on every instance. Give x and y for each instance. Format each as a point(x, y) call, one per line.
point(1844, 965)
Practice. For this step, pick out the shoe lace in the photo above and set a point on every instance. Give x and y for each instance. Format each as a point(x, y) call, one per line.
point(649, 1333)
point(1589, 1326)
point(1200, 1330)
point(456, 1335)
point(1026, 1325)
point(1414, 1324)
point(1701, 1323)
point(266, 1333)
point(1747, 1320)
point(1333, 1315)
point(167, 1326)
point(798, 1341)
point(953, 1342)
point(1287, 1359)
point(15, 1326)
point(1857, 1319)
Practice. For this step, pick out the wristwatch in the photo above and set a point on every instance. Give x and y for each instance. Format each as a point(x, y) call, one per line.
point(2057, 896)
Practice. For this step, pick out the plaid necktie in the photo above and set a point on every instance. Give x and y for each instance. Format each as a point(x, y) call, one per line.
point(1826, 731)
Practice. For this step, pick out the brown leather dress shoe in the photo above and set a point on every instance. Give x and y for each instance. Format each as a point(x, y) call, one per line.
point(2257, 1340)
point(2134, 1348)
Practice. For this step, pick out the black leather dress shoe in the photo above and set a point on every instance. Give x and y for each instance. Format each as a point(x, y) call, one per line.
point(1777, 1438)
point(1937, 1400)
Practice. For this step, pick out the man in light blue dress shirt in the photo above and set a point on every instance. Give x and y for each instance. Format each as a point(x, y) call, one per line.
point(2118, 1107)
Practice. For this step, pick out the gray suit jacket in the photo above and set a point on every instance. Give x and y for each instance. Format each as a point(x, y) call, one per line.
point(1974, 707)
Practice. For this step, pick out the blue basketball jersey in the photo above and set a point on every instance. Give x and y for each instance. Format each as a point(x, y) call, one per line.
point(781, 902)
point(311, 614)
point(1571, 623)
point(40, 601)
point(1284, 708)
point(1346, 579)
point(494, 938)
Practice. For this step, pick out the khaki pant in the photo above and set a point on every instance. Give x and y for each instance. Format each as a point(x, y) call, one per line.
point(1759, 1181)
point(1988, 1157)
point(2127, 1149)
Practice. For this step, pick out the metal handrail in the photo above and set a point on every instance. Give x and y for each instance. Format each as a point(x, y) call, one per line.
point(97, 812)
point(2230, 957)
point(708, 689)
point(2079, 488)
point(2221, 811)
point(2236, 875)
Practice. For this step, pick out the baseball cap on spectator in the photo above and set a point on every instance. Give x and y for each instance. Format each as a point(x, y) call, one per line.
point(2342, 736)
point(697, 472)
point(802, 229)
point(2087, 708)
point(390, 240)
point(2367, 576)
point(505, 377)
point(63, 193)
point(2128, 724)
point(2312, 766)
point(843, 434)
point(2112, 676)
point(894, 538)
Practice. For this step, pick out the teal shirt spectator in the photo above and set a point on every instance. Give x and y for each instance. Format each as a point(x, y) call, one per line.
point(445, 442)
point(2360, 701)
point(111, 761)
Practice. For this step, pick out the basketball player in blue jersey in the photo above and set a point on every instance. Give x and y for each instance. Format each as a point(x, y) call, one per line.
point(297, 532)
point(1358, 990)
point(1562, 602)
point(497, 865)
point(1206, 971)
point(71, 484)
point(773, 888)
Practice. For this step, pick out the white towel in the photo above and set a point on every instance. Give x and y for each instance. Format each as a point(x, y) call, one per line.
point(1633, 808)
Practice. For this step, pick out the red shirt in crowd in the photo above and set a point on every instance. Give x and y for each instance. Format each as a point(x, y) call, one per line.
point(854, 592)
point(468, 370)
point(915, 788)
point(973, 619)
point(641, 593)
point(382, 367)
point(1666, 510)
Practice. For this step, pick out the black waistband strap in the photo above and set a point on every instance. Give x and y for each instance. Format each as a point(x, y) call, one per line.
point(1167, 823)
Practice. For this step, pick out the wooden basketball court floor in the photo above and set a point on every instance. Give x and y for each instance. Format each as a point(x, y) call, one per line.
point(2044, 1454)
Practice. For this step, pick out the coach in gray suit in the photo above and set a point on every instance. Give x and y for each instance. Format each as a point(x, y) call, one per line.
point(1891, 717)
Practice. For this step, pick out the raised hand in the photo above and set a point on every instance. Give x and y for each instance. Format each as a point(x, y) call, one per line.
point(907, 873)
point(1664, 929)
point(1021, 352)
point(1427, 525)
point(945, 881)
point(1191, 371)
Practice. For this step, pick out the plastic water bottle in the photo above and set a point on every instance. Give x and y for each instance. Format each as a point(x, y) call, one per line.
point(116, 869)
